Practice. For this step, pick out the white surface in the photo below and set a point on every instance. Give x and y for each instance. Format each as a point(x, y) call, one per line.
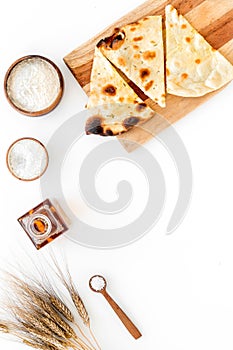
point(184, 298)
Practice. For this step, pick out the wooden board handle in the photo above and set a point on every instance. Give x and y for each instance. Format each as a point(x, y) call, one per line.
point(123, 317)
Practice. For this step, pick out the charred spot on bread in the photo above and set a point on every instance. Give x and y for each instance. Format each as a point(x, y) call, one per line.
point(108, 132)
point(94, 125)
point(188, 40)
point(114, 41)
point(121, 61)
point(138, 38)
point(144, 73)
point(117, 41)
point(198, 61)
point(140, 107)
point(131, 121)
point(136, 56)
point(149, 55)
point(184, 26)
point(149, 85)
point(135, 23)
point(184, 76)
point(109, 90)
point(101, 43)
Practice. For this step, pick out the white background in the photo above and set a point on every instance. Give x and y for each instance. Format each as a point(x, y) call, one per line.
point(178, 289)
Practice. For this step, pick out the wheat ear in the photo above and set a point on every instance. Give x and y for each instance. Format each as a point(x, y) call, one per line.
point(48, 339)
point(82, 311)
point(15, 329)
point(80, 306)
point(45, 308)
point(64, 310)
point(38, 346)
point(53, 327)
point(51, 317)
point(61, 307)
point(4, 328)
point(78, 303)
point(83, 314)
point(52, 296)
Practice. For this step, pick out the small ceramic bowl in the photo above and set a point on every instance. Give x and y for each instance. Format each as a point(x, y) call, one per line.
point(33, 85)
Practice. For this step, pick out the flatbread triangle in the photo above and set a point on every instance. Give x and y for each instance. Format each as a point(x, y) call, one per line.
point(137, 50)
point(114, 106)
point(194, 67)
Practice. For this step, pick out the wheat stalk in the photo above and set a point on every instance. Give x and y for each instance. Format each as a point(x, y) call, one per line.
point(53, 327)
point(61, 307)
point(77, 300)
point(38, 346)
point(48, 339)
point(80, 307)
point(51, 324)
point(28, 316)
point(53, 297)
point(26, 338)
point(68, 283)
point(40, 301)
point(36, 336)
point(52, 318)
point(40, 318)
point(49, 292)
point(4, 328)
point(70, 333)
point(37, 317)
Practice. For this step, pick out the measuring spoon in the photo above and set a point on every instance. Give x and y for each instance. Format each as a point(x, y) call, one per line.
point(98, 284)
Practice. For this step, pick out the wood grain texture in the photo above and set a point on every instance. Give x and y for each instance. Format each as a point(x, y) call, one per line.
point(209, 12)
point(212, 18)
point(122, 316)
point(221, 31)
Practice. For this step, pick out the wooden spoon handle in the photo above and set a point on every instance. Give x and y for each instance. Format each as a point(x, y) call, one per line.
point(123, 317)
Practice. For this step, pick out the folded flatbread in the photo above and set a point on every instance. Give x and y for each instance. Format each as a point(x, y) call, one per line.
point(137, 50)
point(194, 68)
point(114, 106)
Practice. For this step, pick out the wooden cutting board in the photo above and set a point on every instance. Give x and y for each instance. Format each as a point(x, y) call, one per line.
point(212, 18)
